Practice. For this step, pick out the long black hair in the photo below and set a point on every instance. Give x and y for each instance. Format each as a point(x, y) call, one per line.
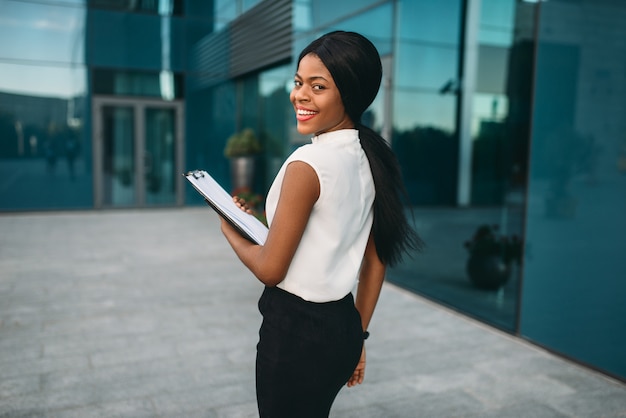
point(355, 66)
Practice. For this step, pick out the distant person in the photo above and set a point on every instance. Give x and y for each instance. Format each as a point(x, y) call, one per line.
point(335, 220)
point(50, 155)
point(71, 152)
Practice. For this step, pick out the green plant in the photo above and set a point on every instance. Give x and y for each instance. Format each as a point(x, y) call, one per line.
point(242, 143)
point(488, 242)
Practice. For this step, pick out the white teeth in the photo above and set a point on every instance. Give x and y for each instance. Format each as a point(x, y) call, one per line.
point(305, 112)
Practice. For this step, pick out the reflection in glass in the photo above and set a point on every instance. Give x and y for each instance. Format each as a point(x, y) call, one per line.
point(118, 157)
point(375, 24)
point(574, 279)
point(47, 33)
point(225, 11)
point(321, 15)
point(417, 108)
point(497, 22)
point(425, 66)
point(43, 138)
point(472, 259)
point(277, 116)
point(160, 156)
point(163, 7)
point(429, 21)
point(165, 84)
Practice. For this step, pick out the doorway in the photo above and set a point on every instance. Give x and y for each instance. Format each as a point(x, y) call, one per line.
point(138, 153)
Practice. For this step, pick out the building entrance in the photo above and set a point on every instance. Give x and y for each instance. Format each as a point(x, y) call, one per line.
point(138, 149)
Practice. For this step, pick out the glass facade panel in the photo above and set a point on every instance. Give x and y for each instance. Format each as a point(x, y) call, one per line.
point(429, 21)
point(133, 83)
point(228, 10)
point(320, 10)
point(376, 24)
point(162, 7)
point(277, 118)
point(160, 156)
point(43, 33)
point(45, 151)
point(424, 113)
point(118, 157)
point(497, 22)
point(426, 67)
point(133, 43)
point(426, 146)
point(216, 124)
point(574, 288)
point(479, 279)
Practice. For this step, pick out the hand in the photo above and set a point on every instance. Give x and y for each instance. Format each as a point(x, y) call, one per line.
point(241, 204)
point(359, 371)
point(225, 226)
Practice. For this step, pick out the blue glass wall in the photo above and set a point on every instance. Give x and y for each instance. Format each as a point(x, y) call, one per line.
point(574, 288)
point(45, 148)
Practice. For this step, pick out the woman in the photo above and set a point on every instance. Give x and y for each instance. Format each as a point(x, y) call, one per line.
point(335, 219)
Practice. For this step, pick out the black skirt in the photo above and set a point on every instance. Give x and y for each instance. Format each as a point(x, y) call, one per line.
point(306, 352)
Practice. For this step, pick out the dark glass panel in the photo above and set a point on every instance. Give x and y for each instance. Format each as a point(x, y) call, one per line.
point(118, 156)
point(323, 12)
point(160, 156)
point(426, 138)
point(424, 141)
point(574, 288)
point(45, 151)
point(429, 21)
point(425, 66)
point(277, 118)
point(135, 83)
point(163, 7)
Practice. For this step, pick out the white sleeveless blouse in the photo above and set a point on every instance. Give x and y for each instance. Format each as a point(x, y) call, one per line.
point(326, 264)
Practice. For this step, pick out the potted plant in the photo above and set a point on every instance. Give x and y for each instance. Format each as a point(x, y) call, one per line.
point(241, 149)
point(491, 256)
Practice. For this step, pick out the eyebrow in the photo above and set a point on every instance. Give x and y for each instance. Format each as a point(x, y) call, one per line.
point(313, 78)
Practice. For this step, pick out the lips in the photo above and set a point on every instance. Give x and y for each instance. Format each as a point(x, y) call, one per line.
point(303, 114)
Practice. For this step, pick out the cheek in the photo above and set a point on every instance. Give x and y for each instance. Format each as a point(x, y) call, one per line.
point(292, 96)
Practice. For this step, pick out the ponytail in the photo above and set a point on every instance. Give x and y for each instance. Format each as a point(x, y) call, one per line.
point(393, 235)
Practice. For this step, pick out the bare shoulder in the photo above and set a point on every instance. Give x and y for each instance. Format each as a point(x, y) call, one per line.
point(300, 181)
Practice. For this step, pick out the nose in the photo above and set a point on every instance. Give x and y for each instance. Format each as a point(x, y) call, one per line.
point(300, 94)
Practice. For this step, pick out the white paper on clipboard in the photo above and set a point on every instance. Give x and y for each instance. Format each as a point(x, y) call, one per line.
point(222, 202)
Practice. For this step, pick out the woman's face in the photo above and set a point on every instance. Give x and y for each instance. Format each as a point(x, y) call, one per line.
point(316, 99)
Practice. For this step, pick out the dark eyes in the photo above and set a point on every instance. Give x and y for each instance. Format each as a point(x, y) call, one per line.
point(298, 83)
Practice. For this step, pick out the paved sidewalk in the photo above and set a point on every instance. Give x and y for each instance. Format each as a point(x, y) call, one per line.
point(150, 314)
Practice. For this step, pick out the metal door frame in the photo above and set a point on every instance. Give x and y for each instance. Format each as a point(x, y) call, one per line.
point(139, 106)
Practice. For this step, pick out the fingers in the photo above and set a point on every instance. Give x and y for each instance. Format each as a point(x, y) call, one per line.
point(359, 372)
point(241, 204)
point(358, 376)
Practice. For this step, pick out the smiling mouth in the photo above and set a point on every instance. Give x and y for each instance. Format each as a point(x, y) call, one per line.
point(304, 114)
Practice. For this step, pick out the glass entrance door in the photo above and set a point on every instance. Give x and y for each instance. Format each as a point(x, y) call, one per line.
point(137, 153)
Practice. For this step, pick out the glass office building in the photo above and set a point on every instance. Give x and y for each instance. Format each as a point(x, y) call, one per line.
point(507, 116)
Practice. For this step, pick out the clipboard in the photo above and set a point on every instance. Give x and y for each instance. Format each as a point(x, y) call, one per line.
point(222, 202)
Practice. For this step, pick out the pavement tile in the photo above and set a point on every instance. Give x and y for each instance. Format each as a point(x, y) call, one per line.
point(148, 313)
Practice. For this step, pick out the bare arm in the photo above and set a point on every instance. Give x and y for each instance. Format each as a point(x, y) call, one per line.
point(270, 262)
point(371, 280)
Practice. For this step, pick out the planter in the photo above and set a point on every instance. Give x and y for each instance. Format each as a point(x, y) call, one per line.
point(242, 171)
point(488, 272)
